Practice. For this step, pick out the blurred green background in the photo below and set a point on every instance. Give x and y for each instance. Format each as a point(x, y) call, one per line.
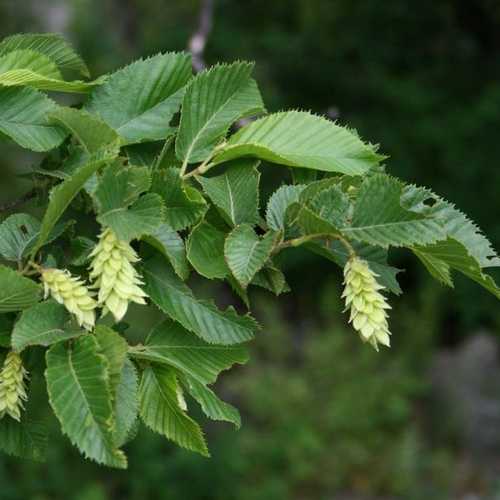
point(324, 416)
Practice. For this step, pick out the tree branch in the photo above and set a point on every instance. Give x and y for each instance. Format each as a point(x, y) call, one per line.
point(198, 40)
point(10, 205)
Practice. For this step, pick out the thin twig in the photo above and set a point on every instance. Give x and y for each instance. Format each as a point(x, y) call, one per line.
point(10, 205)
point(200, 170)
point(198, 40)
point(309, 237)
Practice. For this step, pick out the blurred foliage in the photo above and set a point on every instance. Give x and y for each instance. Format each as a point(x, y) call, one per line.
point(322, 413)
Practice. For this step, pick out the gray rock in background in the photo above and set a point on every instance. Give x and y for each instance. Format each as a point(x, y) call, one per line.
point(466, 388)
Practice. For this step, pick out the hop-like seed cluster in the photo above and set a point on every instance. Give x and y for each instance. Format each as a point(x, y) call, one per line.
point(368, 306)
point(114, 275)
point(12, 386)
point(72, 293)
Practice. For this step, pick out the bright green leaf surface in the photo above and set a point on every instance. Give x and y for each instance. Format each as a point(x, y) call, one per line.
point(27, 68)
point(170, 245)
point(299, 139)
point(160, 410)
point(214, 100)
point(246, 253)
point(91, 132)
point(78, 386)
point(380, 219)
point(126, 403)
point(43, 324)
point(52, 45)
point(236, 192)
point(442, 256)
point(62, 195)
point(278, 205)
point(122, 208)
point(174, 298)
point(24, 118)
point(114, 347)
point(212, 406)
point(171, 344)
point(140, 100)
point(184, 205)
point(16, 291)
point(205, 251)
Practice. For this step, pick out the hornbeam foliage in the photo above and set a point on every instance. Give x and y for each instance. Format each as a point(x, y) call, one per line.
point(150, 179)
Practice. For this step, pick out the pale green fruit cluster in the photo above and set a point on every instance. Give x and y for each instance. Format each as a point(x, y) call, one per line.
point(12, 386)
point(72, 293)
point(114, 275)
point(368, 306)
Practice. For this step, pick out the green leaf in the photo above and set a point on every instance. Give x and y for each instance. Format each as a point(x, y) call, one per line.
point(126, 403)
point(205, 251)
point(299, 139)
point(176, 300)
point(91, 132)
point(246, 253)
point(271, 278)
point(144, 154)
point(120, 187)
point(122, 208)
point(236, 192)
point(375, 256)
point(211, 405)
point(241, 292)
point(332, 205)
point(278, 205)
point(123, 381)
point(327, 211)
point(52, 45)
point(456, 225)
point(114, 348)
point(18, 234)
point(43, 324)
point(24, 118)
point(214, 100)
point(309, 222)
point(62, 195)
point(380, 219)
point(160, 411)
point(78, 386)
point(33, 69)
point(28, 59)
point(437, 267)
point(170, 245)
point(140, 100)
point(314, 188)
point(184, 205)
point(26, 439)
point(143, 217)
point(16, 291)
point(169, 343)
point(28, 78)
point(442, 256)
